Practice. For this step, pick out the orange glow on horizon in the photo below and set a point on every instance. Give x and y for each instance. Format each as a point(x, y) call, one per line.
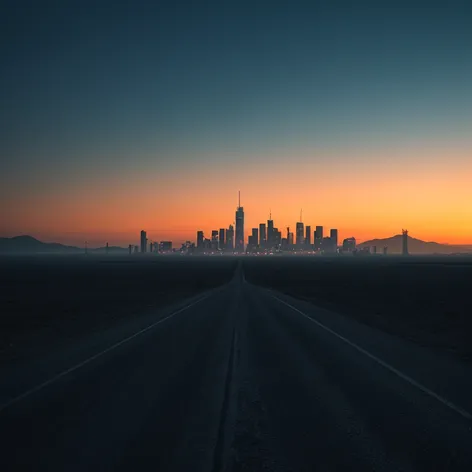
point(431, 198)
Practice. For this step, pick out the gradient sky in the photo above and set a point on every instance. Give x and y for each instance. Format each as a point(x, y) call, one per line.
point(121, 116)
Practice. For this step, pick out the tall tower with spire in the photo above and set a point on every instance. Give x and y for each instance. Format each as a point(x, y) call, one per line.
point(270, 231)
point(239, 243)
point(300, 236)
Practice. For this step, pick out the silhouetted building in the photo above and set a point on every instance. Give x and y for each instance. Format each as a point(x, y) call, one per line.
point(290, 240)
point(262, 235)
point(239, 227)
point(200, 239)
point(136, 249)
point(207, 244)
point(405, 242)
point(214, 240)
point(221, 240)
point(150, 247)
point(270, 231)
point(130, 249)
point(252, 240)
point(385, 250)
point(328, 246)
point(349, 244)
point(374, 249)
point(318, 238)
point(230, 238)
point(284, 244)
point(255, 236)
point(143, 241)
point(334, 238)
point(300, 237)
point(187, 248)
point(106, 248)
point(308, 237)
point(165, 246)
point(277, 237)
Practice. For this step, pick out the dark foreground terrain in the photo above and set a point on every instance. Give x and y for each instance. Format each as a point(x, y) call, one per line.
point(426, 299)
point(237, 377)
point(48, 299)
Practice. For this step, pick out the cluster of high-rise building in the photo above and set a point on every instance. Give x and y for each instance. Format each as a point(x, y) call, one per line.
point(266, 238)
point(271, 238)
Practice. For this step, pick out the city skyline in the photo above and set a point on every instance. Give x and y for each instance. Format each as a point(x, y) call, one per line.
point(302, 233)
point(182, 235)
point(138, 115)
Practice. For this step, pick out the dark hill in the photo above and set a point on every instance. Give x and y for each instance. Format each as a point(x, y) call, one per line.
point(415, 246)
point(28, 244)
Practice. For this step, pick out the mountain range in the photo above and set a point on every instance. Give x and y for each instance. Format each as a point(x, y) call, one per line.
point(416, 246)
point(28, 244)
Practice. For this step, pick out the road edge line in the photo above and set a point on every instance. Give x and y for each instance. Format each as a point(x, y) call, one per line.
point(457, 409)
point(50, 381)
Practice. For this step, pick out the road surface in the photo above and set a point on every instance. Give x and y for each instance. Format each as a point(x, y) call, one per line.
point(238, 379)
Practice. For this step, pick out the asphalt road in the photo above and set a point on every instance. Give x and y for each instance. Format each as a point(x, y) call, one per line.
point(238, 379)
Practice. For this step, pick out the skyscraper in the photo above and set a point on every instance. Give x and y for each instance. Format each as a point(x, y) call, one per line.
point(300, 237)
point(230, 238)
point(284, 244)
point(334, 238)
point(277, 237)
point(255, 236)
point(214, 240)
point(290, 240)
point(143, 241)
point(221, 240)
point(239, 226)
point(270, 231)
point(318, 237)
point(262, 235)
point(308, 237)
point(200, 239)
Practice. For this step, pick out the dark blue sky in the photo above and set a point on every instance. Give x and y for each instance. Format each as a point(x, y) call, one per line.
point(154, 85)
point(83, 80)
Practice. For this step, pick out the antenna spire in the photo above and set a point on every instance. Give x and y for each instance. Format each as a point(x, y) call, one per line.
point(270, 214)
point(239, 198)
